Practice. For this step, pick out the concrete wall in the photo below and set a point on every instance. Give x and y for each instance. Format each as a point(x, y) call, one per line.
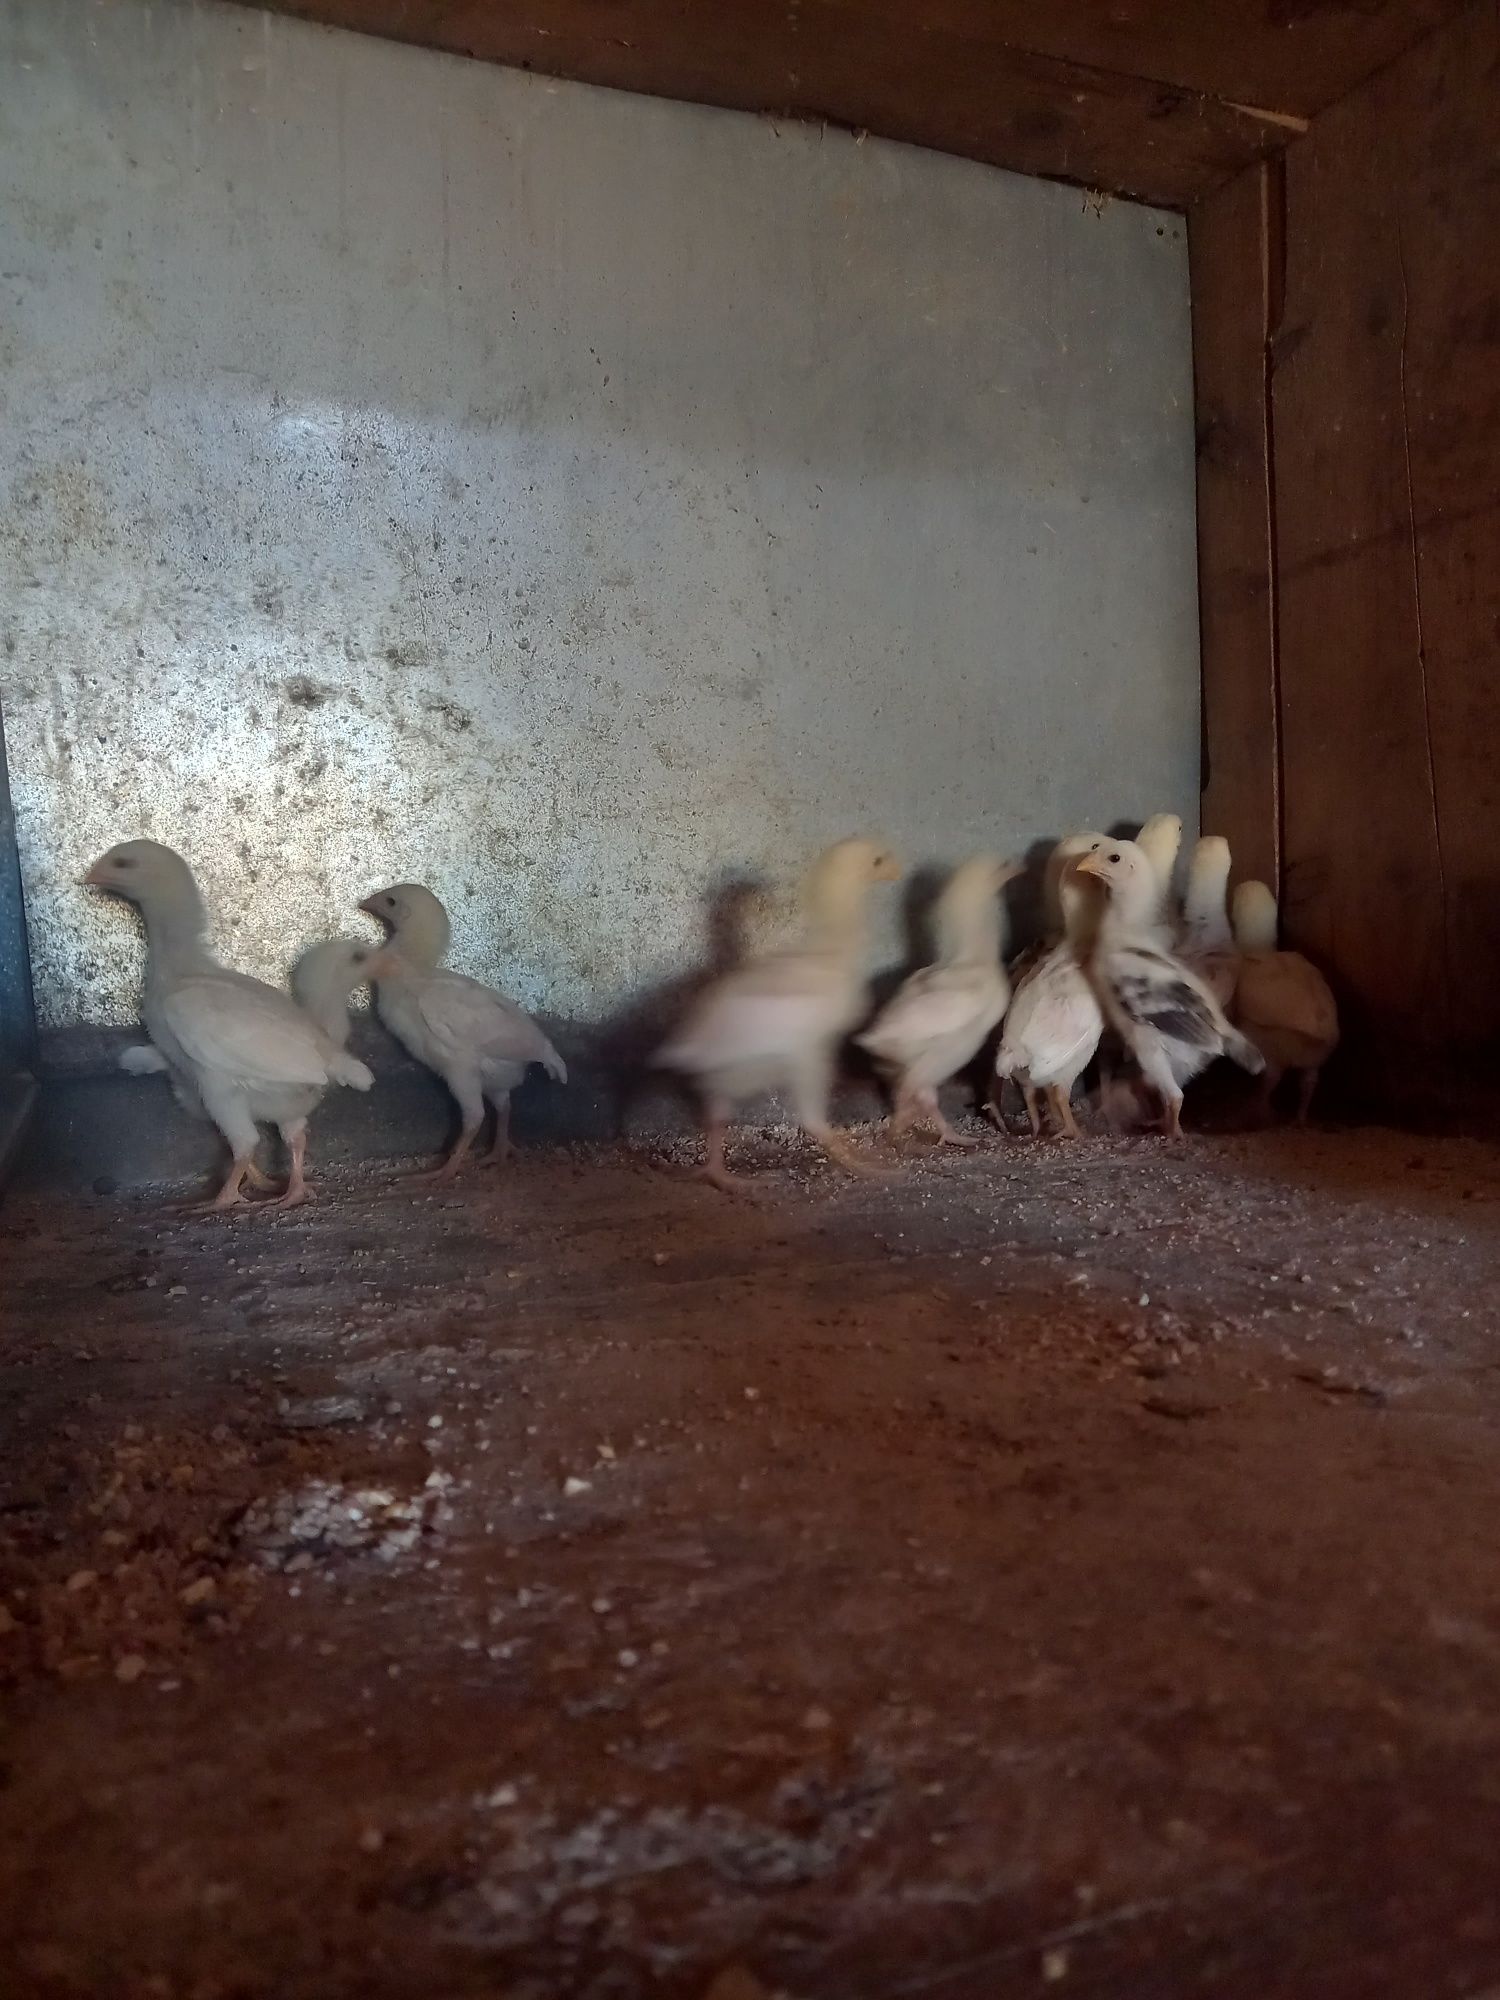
point(414, 469)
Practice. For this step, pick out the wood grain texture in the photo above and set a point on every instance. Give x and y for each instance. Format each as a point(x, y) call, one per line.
point(1229, 257)
point(1387, 444)
point(1363, 867)
point(946, 76)
point(1443, 147)
point(1290, 56)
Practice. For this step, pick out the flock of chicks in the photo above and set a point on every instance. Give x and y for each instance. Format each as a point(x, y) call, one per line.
point(1119, 964)
point(1121, 968)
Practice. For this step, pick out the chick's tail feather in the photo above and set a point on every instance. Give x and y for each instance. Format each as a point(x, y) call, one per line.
point(349, 1069)
point(554, 1065)
point(1244, 1052)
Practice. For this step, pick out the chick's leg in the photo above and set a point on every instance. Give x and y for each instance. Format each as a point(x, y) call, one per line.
point(994, 1108)
point(812, 1076)
point(903, 1111)
point(1033, 1116)
point(716, 1112)
point(1265, 1103)
point(1156, 1068)
point(946, 1134)
point(261, 1182)
point(501, 1149)
point(231, 1114)
point(470, 1099)
point(297, 1190)
point(1307, 1083)
point(1062, 1110)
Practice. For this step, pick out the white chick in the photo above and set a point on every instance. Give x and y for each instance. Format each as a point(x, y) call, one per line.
point(1204, 939)
point(324, 977)
point(1162, 1011)
point(1054, 924)
point(242, 1049)
point(1283, 1003)
point(1159, 840)
point(1055, 1022)
point(775, 1023)
point(940, 1017)
point(479, 1043)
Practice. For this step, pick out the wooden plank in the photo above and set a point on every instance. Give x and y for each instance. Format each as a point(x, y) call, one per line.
point(1289, 59)
point(1284, 57)
point(1441, 150)
point(1363, 868)
point(1229, 252)
point(867, 69)
point(1460, 610)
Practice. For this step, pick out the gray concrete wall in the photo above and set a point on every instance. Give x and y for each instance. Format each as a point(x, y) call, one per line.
point(416, 469)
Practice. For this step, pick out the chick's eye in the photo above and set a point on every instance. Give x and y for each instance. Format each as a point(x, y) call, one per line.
point(124, 861)
point(1114, 857)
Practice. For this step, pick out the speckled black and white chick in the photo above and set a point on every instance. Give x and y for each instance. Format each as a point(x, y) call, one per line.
point(940, 1017)
point(775, 1023)
point(480, 1043)
point(244, 1051)
point(1162, 1011)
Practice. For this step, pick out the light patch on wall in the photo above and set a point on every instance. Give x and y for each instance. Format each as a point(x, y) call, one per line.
point(569, 500)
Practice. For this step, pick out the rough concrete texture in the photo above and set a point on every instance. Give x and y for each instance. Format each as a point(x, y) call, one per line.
point(410, 468)
point(1063, 1569)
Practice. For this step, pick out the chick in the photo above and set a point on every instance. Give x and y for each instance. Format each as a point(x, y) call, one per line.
point(939, 1018)
point(1161, 1010)
point(1053, 922)
point(324, 977)
point(1054, 1023)
point(1283, 1003)
point(775, 1023)
point(480, 1043)
point(1204, 939)
point(1159, 840)
point(247, 1053)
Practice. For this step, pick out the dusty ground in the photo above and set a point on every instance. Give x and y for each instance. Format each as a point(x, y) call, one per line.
point(1054, 1570)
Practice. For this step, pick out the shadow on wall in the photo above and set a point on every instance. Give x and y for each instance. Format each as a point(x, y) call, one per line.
point(628, 1038)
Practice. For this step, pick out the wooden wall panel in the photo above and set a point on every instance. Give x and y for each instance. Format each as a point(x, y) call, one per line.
point(1387, 462)
point(1444, 151)
point(1291, 57)
point(1363, 871)
point(949, 80)
point(1230, 247)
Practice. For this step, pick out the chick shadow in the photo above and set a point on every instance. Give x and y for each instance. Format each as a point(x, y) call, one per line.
point(628, 1039)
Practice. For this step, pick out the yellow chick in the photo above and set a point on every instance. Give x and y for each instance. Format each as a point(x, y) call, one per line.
point(939, 1019)
point(1283, 1003)
point(1204, 938)
point(1165, 1015)
point(776, 1022)
point(1159, 839)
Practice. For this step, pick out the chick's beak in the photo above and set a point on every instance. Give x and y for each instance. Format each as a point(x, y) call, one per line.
point(94, 878)
point(1090, 864)
point(368, 906)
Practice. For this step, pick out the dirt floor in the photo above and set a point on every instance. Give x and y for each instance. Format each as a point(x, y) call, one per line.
point(1057, 1569)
